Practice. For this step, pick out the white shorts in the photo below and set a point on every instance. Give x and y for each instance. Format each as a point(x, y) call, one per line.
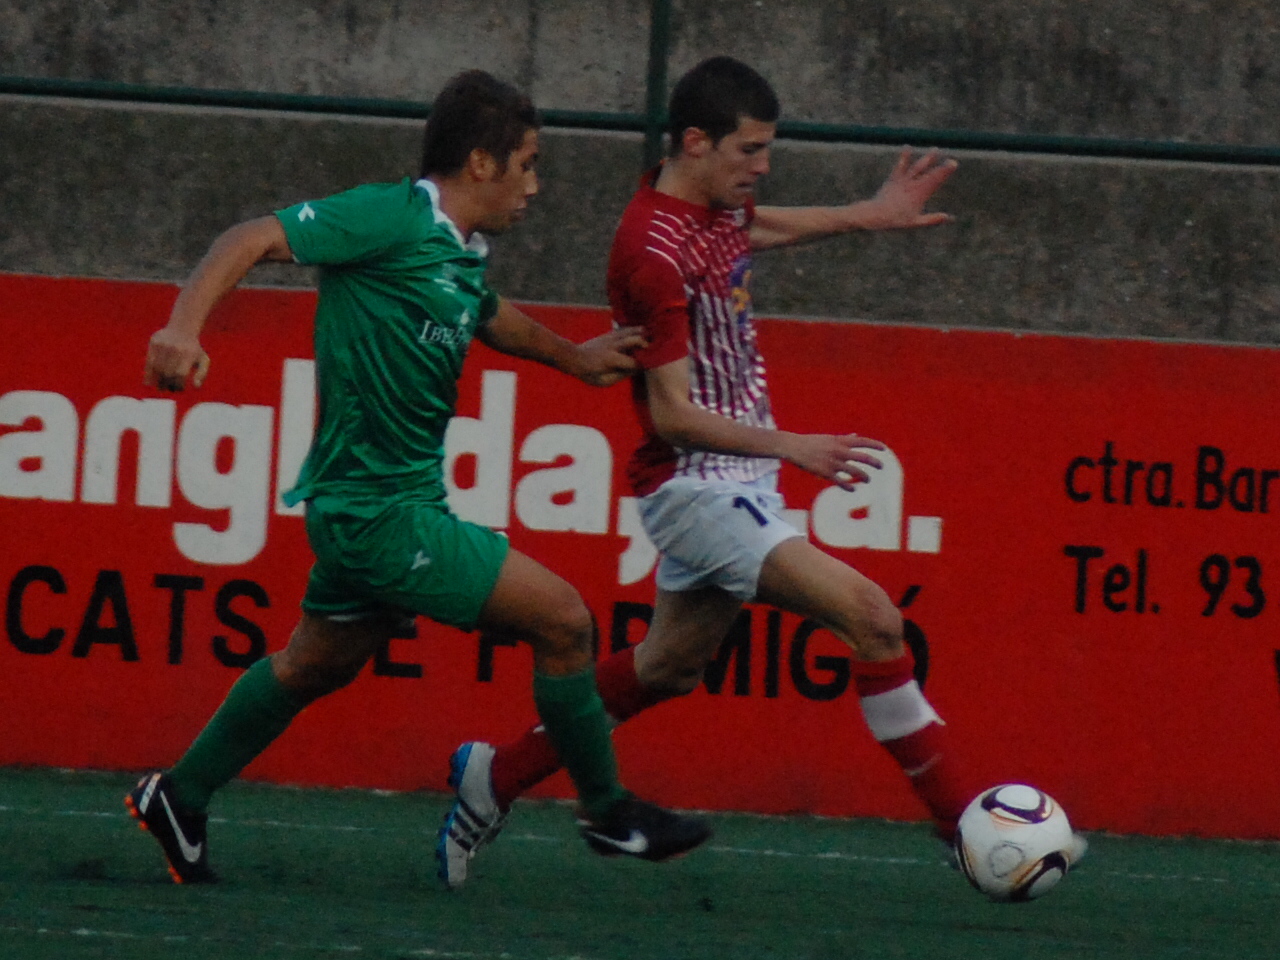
point(714, 532)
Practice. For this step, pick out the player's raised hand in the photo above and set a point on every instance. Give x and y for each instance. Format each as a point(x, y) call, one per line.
point(843, 460)
point(173, 359)
point(900, 201)
point(606, 359)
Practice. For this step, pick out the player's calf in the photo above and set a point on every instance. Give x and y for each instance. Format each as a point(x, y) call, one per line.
point(907, 726)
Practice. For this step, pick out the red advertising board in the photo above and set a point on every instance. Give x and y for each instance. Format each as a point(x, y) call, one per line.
point(1084, 532)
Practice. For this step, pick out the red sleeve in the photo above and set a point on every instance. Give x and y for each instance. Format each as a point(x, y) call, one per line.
point(654, 299)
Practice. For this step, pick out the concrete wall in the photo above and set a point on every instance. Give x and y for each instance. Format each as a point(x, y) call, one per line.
point(1105, 247)
point(1177, 70)
point(1200, 70)
point(586, 55)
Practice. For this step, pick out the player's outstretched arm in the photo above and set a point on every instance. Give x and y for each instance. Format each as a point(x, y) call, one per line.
point(174, 354)
point(844, 460)
point(898, 205)
point(600, 362)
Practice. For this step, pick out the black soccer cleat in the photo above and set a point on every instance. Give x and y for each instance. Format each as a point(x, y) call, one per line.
point(181, 834)
point(635, 828)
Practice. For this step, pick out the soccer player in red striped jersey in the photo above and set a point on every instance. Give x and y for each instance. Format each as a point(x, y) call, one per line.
point(706, 472)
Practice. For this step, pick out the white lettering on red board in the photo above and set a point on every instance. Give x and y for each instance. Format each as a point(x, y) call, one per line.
point(224, 457)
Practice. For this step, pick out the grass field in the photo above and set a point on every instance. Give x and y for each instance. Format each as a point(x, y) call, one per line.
point(320, 873)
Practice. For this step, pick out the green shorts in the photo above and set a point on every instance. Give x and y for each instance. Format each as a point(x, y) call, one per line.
point(402, 557)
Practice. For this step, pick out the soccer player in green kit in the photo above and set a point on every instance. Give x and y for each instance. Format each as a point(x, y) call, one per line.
point(402, 293)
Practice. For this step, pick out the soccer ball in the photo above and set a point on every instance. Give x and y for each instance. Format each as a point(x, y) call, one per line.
point(1014, 842)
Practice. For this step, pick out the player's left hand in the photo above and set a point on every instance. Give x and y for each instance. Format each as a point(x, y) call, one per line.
point(606, 359)
point(900, 201)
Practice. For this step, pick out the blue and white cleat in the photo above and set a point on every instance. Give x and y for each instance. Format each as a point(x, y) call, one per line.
point(475, 817)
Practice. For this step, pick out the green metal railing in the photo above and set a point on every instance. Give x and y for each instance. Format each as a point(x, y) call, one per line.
point(292, 102)
point(652, 121)
point(655, 101)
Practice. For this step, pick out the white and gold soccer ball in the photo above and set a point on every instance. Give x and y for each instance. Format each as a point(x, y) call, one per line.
point(1014, 842)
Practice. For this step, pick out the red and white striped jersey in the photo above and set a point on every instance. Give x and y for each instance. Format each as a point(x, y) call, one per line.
point(682, 272)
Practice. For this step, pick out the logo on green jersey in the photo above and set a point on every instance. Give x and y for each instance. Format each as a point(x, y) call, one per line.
point(447, 336)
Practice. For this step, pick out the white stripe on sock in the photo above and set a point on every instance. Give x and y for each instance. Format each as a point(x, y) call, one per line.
point(898, 713)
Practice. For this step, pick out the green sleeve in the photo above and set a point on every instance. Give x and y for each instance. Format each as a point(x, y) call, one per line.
point(488, 306)
point(350, 227)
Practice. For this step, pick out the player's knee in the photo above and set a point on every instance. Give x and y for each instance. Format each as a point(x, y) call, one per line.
point(323, 655)
point(311, 679)
point(567, 628)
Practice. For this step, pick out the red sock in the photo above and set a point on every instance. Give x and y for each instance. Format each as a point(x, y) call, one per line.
point(531, 758)
point(905, 724)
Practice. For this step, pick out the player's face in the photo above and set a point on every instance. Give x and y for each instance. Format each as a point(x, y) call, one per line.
point(508, 192)
point(738, 161)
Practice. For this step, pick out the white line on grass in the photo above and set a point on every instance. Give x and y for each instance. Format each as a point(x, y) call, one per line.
point(539, 838)
point(91, 934)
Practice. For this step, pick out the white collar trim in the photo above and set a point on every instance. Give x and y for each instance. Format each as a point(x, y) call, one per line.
point(477, 244)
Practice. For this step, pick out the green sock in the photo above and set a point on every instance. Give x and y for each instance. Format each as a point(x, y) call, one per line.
point(579, 729)
point(256, 711)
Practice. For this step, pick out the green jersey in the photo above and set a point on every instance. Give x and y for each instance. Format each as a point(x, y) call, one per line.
point(401, 295)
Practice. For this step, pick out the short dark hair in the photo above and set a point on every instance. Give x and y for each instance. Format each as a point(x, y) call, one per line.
point(475, 110)
point(714, 96)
